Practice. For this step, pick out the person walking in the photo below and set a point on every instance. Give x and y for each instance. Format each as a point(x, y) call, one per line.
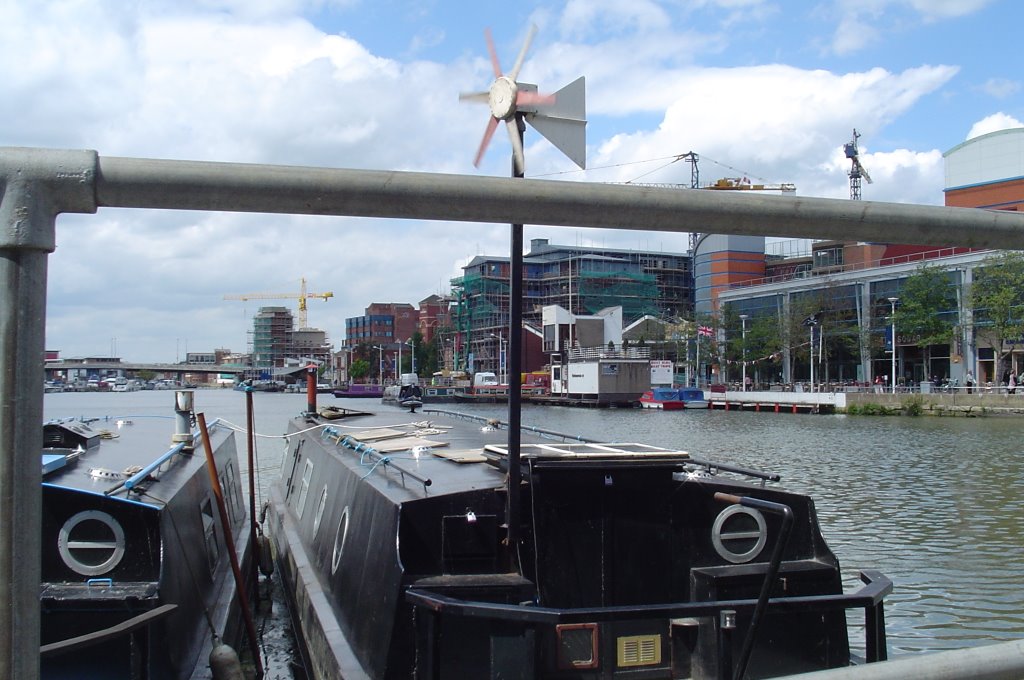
point(1011, 385)
point(969, 381)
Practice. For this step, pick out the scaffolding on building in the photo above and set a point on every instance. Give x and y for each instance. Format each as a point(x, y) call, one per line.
point(636, 293)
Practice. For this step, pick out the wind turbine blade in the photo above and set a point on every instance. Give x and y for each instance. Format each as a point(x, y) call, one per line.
point(517, 146)
point(564, 121)
point(514, 73)
point(568, 135)
point(569, 102)
point(494, 55)
point(492, 125)
point(533, 99)
point(474, 97)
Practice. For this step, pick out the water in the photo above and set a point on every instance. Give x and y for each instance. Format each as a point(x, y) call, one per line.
point(936, 504)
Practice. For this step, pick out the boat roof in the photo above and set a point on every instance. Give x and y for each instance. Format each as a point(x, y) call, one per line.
point(438, 451)
point(120, 457)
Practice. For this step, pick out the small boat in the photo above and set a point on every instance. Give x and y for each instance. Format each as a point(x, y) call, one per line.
point(252, 385)
point(404, 551)
point(693, 397)
point(136, 569)
point(360, 390)
point(664, 398)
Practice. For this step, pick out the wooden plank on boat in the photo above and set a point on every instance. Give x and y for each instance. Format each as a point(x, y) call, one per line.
point(464, 456)
point(377, 435)
point(407, 444)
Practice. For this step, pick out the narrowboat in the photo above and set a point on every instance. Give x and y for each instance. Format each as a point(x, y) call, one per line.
point(404, 552)
point(137, 577)
point(360, 391)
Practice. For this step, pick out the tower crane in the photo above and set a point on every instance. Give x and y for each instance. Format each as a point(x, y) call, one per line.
point(301, 296)
point(857, 170)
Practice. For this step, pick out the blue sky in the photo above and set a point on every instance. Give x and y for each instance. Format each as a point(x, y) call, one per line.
point(762, 88)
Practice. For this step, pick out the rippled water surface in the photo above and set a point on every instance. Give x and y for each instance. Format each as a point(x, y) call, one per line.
point(937, 504)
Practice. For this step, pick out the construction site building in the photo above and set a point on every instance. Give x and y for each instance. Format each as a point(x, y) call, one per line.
point(276, 343)
point(582, 280)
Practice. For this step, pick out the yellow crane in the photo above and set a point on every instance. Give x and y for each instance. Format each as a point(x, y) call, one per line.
point(301, 296)
point(744, 184)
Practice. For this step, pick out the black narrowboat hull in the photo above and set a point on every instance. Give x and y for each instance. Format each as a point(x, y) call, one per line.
point(632, 561)
point(131, 576)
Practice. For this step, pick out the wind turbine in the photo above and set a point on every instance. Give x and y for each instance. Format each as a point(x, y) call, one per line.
point(560, 117)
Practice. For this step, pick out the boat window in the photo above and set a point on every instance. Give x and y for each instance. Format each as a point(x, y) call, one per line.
point(307, 476)
point(339, 540)
point(739, 534)
point(227, 484)
point(320, 510)
point(91, 543)
point(209, 534)
point(291, 459)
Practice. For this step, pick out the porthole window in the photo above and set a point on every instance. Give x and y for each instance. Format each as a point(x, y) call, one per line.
point(320, 507)
point(339, 540)
point(739, 534)
point(91, 543)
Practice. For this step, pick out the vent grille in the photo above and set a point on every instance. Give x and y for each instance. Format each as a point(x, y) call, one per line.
point(638, 650)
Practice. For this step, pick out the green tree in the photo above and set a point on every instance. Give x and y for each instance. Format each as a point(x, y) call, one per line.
point(359, 369)
point(927, 309)
point(997, 299)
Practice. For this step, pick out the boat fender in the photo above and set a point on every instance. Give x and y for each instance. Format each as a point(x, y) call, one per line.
point(224, 662)
point(266, 555)
point(263, 512)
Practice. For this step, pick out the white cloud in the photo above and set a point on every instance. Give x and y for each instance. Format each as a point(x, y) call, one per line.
point(947, 9)
point(231, 80)
point(783, 122)
point(1000, 88)
point(862, 23)
point(993, 123)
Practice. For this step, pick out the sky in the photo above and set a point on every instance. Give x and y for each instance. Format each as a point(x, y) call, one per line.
point(766, 89)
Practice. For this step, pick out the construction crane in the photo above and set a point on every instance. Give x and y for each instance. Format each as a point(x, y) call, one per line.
point(744, 184)
point(301, 296)
point(739, 184)
point(724, 184)
point(857, 170)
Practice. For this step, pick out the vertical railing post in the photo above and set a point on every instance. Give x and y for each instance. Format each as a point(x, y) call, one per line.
point(35, 186)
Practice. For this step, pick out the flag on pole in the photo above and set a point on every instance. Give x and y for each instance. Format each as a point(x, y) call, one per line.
point(705, 330)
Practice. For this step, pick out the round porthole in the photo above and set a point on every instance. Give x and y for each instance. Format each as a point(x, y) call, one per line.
point(320, 506)
point(739, 534)
point(91, 543)
point(339, 540)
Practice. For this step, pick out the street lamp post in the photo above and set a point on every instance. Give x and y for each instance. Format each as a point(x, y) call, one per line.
point(743, 320)
point(811, 322)
point(892, 320)
point(380, 363)
point(501, 356)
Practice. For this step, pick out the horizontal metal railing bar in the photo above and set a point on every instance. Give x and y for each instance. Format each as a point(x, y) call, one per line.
point(238, 187)
point(876, 587)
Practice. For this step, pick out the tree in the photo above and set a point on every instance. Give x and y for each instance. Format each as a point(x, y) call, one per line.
point(997, 299)
point(359, 369)
point(927, 309)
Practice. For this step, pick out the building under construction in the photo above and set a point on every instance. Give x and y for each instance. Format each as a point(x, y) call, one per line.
point(583, 280)
point(276, 341)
